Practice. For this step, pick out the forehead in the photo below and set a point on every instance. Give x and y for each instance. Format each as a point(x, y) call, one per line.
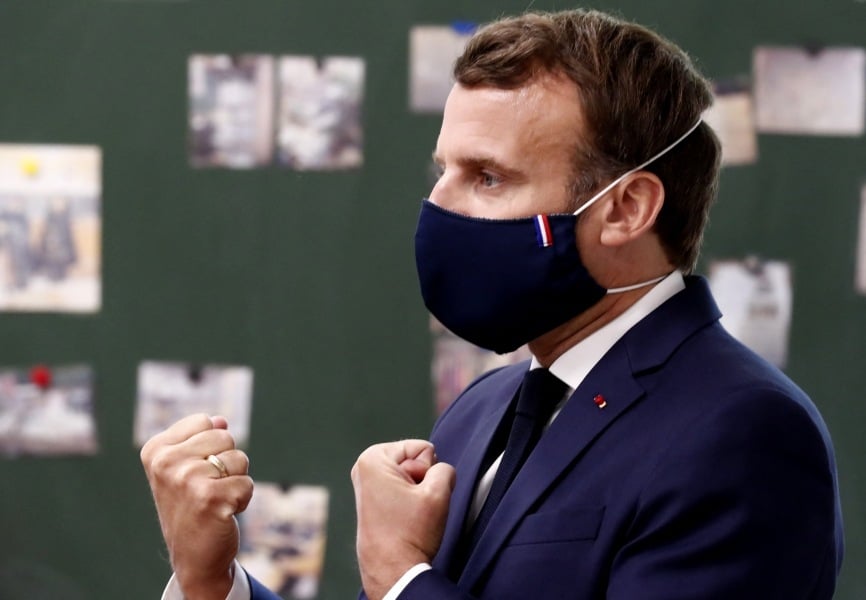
point(538, 121)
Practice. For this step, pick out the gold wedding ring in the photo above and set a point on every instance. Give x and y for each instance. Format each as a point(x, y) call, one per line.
point(218, 465)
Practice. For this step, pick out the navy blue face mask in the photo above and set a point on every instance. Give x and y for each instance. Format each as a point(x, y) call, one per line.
point(501, 283)
point(495, 283)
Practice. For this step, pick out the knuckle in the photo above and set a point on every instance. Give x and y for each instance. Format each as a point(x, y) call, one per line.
point(145, 455)
point(179, 477)
point(243, 461)
point(370, 454)
point(245, 494)
point(204, 494)
point(161, 463)
point(200, 497)
point(223, 438)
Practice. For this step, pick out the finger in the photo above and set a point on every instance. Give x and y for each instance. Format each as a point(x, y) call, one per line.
point(212, 441)
point(244, 493)
point(184, 429)
point(427, 456)
point(229, 496)
point(409, 449)
point(219, 422)
point(236, 463)
point(415, 469)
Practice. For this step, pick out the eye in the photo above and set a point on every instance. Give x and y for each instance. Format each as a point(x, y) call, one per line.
point(489, 179)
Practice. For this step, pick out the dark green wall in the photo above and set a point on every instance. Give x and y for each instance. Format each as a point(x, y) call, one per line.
point(309, 278)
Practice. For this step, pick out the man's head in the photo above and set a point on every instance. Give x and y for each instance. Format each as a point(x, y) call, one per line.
point(636, 94)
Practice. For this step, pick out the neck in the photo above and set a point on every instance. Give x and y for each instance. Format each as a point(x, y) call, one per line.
point(553, 344)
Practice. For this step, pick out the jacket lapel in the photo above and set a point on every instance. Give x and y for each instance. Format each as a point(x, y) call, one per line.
point(468, 467)
point(579, 423)
point(645, 347)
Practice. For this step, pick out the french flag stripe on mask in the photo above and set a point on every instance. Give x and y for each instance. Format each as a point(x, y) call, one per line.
point(542, 231)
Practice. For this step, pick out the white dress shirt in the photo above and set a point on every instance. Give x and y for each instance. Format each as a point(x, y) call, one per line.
point(572, 367)
point(240, 587)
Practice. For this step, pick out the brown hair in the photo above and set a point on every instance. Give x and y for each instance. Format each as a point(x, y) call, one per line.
point(639, 93)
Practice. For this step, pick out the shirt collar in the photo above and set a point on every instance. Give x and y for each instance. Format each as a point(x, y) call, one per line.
point(576, 363)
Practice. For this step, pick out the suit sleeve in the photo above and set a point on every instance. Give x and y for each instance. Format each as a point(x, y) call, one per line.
point(742, 505)
point(259, 591)
point(433, 585)
point(428, 585)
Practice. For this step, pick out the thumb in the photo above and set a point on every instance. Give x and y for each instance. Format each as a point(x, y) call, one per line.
point(414, 469)
point(440, 479)
point(427, 456)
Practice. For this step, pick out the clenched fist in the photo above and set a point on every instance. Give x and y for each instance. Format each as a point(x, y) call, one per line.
point(401, 496)
point(197, 501)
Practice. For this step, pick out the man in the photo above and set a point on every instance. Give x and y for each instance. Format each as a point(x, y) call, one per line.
point(671, 462)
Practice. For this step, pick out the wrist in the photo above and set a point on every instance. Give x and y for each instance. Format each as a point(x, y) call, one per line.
point(381, 575)
point(206, 586)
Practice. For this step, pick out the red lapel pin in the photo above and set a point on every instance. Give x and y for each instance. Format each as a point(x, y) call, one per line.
point(600, 401)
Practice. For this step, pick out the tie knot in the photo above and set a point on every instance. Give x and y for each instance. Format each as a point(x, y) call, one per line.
point(540, 392)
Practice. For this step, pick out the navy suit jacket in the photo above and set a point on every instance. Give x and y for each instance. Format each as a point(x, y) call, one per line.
point(708, 475)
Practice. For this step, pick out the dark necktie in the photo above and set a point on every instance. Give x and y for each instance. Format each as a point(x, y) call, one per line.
point(539, 395)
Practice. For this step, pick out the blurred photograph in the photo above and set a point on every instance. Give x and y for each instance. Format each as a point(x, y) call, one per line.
point(231, 107)
point(808, 91)
point(50, 228)
point(755, 298)
point(283, 533)
point(732, 118)
point(169, 391)
point(457, 363)
point(319, 121)
point(47, 411)
point(432, 52)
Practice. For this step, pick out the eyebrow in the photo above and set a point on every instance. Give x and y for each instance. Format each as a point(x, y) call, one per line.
point(481, 162)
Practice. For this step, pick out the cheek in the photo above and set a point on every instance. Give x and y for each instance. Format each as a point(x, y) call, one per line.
point(586, 234)
point(552, 197)
point(453, 193)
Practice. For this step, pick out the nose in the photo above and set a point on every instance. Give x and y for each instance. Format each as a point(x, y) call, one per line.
point(438, 192)
point(444, 193)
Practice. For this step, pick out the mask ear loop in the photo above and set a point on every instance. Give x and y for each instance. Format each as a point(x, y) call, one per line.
point(636, 286)
point(610, 186)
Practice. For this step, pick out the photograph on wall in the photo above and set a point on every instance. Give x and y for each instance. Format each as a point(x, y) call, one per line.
point(47, 411)
point(860, 277)
point(169, 391)
point(231, 110)
point(810, 91)
point(319, 121)
point(732, 118)
point(283, 533)
point(755, 298)
point(457, 363)
point(432, 52)
point(50, 228)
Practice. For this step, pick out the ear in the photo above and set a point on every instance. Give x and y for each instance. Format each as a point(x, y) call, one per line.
point(633, 208)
